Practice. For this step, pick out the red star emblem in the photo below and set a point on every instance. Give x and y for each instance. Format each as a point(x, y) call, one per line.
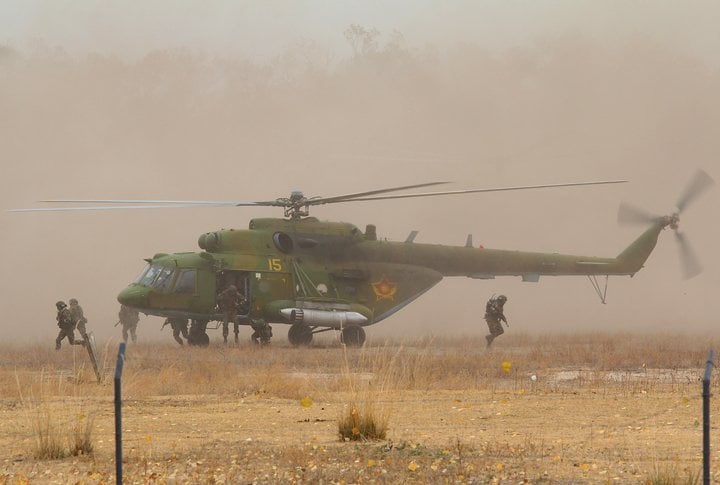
point(384, 289)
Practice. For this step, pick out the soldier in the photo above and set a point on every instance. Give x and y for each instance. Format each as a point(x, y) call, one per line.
point(129, 318)
point(493, 315)
point(66, 324)
point(179, 326)
point(228, 301)
point(78, 318)
point(262, 333)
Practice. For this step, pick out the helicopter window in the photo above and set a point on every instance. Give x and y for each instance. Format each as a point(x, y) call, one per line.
point(142, 273)
point(164, 279)
point(185, 281)
point(149, 275)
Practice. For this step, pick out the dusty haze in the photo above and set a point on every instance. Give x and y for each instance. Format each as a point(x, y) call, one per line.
point(250, 103)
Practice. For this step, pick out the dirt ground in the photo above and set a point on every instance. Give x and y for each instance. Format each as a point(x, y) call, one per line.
point(551, 424)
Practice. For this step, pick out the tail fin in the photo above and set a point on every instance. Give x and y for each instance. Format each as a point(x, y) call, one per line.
point(632, 259)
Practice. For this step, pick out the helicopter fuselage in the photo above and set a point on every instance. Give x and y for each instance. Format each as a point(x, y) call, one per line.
point(332, 275)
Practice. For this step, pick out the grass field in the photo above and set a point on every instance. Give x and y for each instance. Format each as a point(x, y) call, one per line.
point(581, 408)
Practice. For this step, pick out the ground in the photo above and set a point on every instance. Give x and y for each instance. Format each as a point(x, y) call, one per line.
point(455, 412)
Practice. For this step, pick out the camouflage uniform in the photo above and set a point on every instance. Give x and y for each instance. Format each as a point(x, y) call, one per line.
point(262, 333)
point(493, 316)
point(129, 318)
point(78, 317)
point(179, 326)
point(66, 324)
point(228, 301)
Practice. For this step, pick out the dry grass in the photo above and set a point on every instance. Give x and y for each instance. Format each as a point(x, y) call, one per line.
point(48, 443)
point(586, 407)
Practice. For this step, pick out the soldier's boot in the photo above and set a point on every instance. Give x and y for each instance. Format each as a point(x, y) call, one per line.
point(237, 338)
point(489, 339)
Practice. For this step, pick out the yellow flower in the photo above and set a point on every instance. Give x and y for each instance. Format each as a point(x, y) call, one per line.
point(413, 466)
point(306, 402)
point(506, 366)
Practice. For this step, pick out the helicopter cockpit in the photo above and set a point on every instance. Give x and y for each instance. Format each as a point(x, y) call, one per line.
point(167, 280)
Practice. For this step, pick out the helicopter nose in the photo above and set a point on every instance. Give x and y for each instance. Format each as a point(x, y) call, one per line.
point(134, 296)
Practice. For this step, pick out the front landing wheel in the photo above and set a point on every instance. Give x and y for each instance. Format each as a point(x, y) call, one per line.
point(300, 334)
point(352, 336)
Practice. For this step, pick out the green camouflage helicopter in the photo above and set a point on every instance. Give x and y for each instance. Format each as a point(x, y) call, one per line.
point(319, 276)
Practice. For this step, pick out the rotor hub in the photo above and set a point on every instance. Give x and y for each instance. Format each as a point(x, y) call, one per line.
point(672, 221)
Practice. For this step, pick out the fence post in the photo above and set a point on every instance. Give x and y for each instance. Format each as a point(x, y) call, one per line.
point(118, 414)
point(706, 417)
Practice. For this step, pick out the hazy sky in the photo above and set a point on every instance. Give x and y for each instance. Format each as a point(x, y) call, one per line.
point(258, 29)
point(232, 100)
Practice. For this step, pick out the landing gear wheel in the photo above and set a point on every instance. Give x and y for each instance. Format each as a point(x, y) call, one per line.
point(300, 334)
point(352, 336)
point(198, 335)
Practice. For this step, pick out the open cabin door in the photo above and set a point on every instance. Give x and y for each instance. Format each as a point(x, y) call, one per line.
point(240, 279)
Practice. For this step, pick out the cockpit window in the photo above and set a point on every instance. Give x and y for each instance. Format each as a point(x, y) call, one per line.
point(149, 275)
point(185, 281)
point(142, 273)
point(164, 279)
point(158, 277)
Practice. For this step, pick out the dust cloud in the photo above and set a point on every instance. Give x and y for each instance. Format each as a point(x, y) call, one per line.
point(96, 106)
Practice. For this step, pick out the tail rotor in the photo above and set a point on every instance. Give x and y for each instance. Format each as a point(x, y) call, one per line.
point(698, 185)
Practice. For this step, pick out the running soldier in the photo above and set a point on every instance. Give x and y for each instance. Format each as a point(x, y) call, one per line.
point(66, 324)
point(179, 326)
point(78, 316)
point(129, 318)
point(228, 301)
point(493, 316)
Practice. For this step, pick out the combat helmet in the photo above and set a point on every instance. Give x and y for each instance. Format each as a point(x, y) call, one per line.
point(73, 301)
point(60, 305)
point(502, 298)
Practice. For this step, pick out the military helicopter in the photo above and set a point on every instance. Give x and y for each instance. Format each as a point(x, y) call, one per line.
point(320, 276)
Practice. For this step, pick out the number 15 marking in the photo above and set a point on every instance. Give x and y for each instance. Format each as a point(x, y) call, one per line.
point(274, 264)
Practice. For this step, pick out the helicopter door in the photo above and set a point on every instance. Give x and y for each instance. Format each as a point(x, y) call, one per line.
point(240, 280)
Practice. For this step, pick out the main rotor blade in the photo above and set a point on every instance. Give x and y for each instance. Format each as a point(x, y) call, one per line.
point(120, 207)
point(474, 191)
point(228, 203)
point(629, 214)
point(691, 266)
point(345, 197)
point(700, 183)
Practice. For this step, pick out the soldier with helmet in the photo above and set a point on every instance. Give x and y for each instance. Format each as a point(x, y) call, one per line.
point(493, 316)
point(228, 301)
point(66, 324)
point(262, 332)
point(179, 326)
point(78, 317)
point(129, 318)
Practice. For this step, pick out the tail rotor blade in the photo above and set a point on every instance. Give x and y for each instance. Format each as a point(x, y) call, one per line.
point(700, 183)
point(629, 214)
point(691, 266)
